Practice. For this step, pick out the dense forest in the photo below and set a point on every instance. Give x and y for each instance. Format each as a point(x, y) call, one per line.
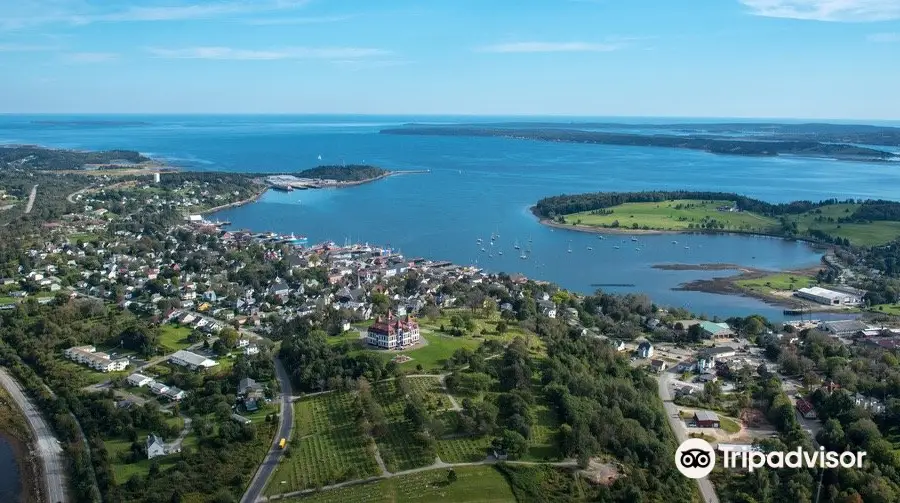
point(348, 173)
point(749, 147)
point(39, 158)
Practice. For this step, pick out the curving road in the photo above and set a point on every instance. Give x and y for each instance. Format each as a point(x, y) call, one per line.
point(49, 449)
point(285, 425)
point(665, 379)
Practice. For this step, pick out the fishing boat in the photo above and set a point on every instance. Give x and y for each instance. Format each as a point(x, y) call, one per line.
point(516, 246)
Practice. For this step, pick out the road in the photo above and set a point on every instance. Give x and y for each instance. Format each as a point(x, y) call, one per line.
point(49, 449)
point(31, 199)
point(665, 379)
point(285, 425)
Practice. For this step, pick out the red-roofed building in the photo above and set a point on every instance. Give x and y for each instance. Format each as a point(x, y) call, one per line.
point(393, 333)
point(806, 409)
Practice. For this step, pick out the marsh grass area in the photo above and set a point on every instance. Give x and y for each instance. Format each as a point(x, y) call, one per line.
point(685, 215)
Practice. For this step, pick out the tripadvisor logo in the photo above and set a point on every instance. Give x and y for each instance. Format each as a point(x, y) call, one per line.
point(695, 459)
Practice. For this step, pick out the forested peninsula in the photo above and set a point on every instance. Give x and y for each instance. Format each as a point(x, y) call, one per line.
point(773, 146)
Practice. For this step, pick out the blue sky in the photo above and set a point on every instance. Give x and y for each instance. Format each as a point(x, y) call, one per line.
point(708, 58)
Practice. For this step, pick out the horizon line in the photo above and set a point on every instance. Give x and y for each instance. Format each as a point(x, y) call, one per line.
point(523, 115)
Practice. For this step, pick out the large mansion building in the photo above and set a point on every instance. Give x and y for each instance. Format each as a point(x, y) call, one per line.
point(393, 333)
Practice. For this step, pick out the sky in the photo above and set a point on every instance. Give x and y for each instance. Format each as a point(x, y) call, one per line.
point(816, 59)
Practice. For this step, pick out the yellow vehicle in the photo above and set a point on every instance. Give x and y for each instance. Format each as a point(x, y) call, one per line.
point(282, 443)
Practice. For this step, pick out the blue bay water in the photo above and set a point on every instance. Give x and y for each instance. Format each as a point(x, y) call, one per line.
point(480, 186)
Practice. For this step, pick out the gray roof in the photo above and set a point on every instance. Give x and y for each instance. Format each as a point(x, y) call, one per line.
point(153, 438)
point(705, 415)
point(845, 325)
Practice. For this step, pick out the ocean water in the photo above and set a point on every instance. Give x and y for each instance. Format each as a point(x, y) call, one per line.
point(479, 186)
point(10, 478)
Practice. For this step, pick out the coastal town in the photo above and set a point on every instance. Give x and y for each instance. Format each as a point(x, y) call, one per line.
point(244, 341)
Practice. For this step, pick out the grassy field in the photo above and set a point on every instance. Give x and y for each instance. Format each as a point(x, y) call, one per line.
point(173, 338)
point(326, 447)
point(665, 216)
point(124, 471)
point(870, 234)
point(728, 425)
point(892, 309)
point(780, 281)
point(481, 484)
point(397, 449)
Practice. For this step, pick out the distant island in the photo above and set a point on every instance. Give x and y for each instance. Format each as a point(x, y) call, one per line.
point(753, 140)
point(845, 222)
point(32, 157)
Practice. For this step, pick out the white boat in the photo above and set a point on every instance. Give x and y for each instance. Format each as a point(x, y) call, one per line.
point(516, 246)
point(674, 242)
point(320, 157)
point(634, 239)
point(616, 247)
point(482, 249)
point(523, 256)
point(590, 248)
point(499, 253)
point(570, 247)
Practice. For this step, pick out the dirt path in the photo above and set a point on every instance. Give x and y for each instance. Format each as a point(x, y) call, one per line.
point(31, 198)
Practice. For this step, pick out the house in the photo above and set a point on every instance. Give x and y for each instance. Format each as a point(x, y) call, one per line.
point(806, 409)
point(99, 361)
point(871, 404)
point(157, 388)
point(716, 330)
point(175, 394)
point(645, 350)
point(239, 419)
point(251, 350)
point(247, 386)
point(139, 380)
point(191, 360)
point(657, 365)
point(243, 343)
point(618, 345)
point(393, 333)
point(828, 297)
point(155, 446)
point(279, 288)
point(842, 328)
point(345, 326)
point(706, 419)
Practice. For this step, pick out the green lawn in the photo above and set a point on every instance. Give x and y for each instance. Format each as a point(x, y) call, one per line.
point(85, 376)
point(481, 484)
point(173, 338)
point(351, 336)
point(780, 281)
point(728, 425)
point(326, 446)
point(543, 444)
point(124, 471)
point(665, 216)
point(892, 309)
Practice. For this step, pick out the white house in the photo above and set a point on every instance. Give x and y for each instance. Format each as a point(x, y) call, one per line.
point(251, 350)
point(191, 360)
point(645, 350)
point(157, 388)
point(139, 380)
point(175, 394)
point(155, 446)
point(828, 297)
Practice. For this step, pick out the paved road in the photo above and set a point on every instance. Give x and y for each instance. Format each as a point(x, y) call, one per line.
point(706, 488)
point(31, 199)
point(49, 449)
point(285, 425)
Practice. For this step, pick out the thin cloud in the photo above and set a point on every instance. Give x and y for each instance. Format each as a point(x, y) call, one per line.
point(884, 38)
point(276, 21)
point(357, 64)
point(827, 10)
point(25, 48)
point(531, 47)
point(91, 57)
point(229, 53)
point(41, 12)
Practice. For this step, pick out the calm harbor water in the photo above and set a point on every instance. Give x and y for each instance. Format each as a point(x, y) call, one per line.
point(10, 477)
point(480, 186)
